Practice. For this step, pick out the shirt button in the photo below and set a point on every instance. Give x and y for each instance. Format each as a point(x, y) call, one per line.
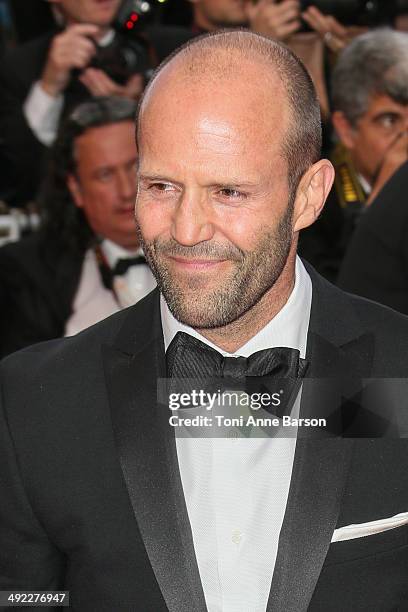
point(236, 536)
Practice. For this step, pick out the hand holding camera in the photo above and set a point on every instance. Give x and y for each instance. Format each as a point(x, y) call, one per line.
point(334, 35)
point(100, 84)
point(273, 18)
point(73, 48)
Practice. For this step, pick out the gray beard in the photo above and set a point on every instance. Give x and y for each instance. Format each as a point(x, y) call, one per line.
point(255, 272)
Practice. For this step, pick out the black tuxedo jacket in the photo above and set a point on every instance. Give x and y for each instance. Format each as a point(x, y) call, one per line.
point(38, 281)
point(376, 261)
point(91, 496)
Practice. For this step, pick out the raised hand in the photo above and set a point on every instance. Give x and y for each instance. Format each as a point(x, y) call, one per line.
point(276, 20)
point(100, 84)
point(70, 49)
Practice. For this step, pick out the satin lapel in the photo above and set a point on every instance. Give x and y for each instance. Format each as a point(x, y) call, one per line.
point(317, 483)
point(320, 465)
point(148, 457)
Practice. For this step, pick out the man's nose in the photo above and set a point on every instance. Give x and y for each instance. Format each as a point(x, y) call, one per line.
point(191, 222)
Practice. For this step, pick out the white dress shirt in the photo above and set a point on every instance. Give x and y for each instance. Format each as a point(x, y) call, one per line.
point(43, 112)
point(93, 302)
point(236, 490)
point(136, 283)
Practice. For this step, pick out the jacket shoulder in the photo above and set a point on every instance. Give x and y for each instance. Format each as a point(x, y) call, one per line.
point(83, 349)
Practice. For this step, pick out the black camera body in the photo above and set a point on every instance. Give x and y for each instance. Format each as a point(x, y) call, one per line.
point(121, 59)
point(368, 13)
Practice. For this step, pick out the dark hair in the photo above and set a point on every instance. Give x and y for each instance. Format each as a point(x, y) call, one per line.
point(302, 143)
point(62, 219)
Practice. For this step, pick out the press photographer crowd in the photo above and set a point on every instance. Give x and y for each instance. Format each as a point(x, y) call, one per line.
point(71, 75)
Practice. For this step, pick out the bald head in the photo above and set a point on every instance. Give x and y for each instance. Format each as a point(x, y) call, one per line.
point(228, 137)
point(250, 71)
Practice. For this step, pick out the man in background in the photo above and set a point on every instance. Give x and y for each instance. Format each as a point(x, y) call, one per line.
point(370, 114)
point(42, 80)
point(85, 262)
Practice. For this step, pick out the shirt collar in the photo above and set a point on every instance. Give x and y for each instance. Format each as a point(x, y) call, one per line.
point(364, 184)
point(113, 252)
point(288, 328)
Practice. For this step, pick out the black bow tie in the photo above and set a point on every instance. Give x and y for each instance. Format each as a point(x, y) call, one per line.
point(188, 357)
point(123, 265)
point(191, 364)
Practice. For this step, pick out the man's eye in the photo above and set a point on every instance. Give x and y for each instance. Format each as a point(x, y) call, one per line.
point(104, 175)
point(231, 193)
point(389, 120)
point(161, 187)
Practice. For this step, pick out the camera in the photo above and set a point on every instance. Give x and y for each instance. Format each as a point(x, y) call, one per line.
point(121, 59)
point(368, 13)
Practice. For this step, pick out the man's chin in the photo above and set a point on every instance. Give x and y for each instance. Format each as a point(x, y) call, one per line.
point(191, 306)
point(197, 319)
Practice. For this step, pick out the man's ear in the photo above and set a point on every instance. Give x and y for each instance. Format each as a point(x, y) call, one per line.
point(345, 131)
point(75, 190)
point(314, 187)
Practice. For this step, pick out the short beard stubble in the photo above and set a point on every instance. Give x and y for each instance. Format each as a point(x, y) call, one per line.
point(255, 272)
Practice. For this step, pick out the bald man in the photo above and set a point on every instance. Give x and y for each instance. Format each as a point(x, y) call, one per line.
point(133, 496)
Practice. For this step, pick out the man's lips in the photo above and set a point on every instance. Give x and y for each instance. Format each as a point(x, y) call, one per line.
point(196, 263)
point(126, 211)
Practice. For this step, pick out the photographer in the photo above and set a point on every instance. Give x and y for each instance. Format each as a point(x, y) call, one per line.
point(45, 78)
point(370, 116)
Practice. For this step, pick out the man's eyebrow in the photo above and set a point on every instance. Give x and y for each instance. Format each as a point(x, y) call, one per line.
point(159, 178)
point(234, 182)
point(385, 112)
point(153, 177)
point(102, 169)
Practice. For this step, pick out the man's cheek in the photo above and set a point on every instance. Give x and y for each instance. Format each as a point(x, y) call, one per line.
point(153, 223)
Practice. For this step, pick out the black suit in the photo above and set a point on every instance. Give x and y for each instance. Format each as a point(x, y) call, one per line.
point(38, 282)
point(376, 262)
point(91, 493)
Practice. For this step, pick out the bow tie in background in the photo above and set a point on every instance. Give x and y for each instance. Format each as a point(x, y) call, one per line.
point(189, 358)
point(120, 269)
point(123, 265)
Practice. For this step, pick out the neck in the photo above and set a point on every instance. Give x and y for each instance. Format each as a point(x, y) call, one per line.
point(231, 337)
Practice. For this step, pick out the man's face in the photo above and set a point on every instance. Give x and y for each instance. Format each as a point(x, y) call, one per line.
point(104, 185)
point(97, 12)
point(374, 133)
point(212, 205)
point(222, 13)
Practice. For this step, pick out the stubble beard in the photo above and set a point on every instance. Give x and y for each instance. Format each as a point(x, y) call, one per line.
point(253, 274)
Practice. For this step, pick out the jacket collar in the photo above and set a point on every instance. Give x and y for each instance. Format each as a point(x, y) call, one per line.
point(148, 456)
point(340, 355)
